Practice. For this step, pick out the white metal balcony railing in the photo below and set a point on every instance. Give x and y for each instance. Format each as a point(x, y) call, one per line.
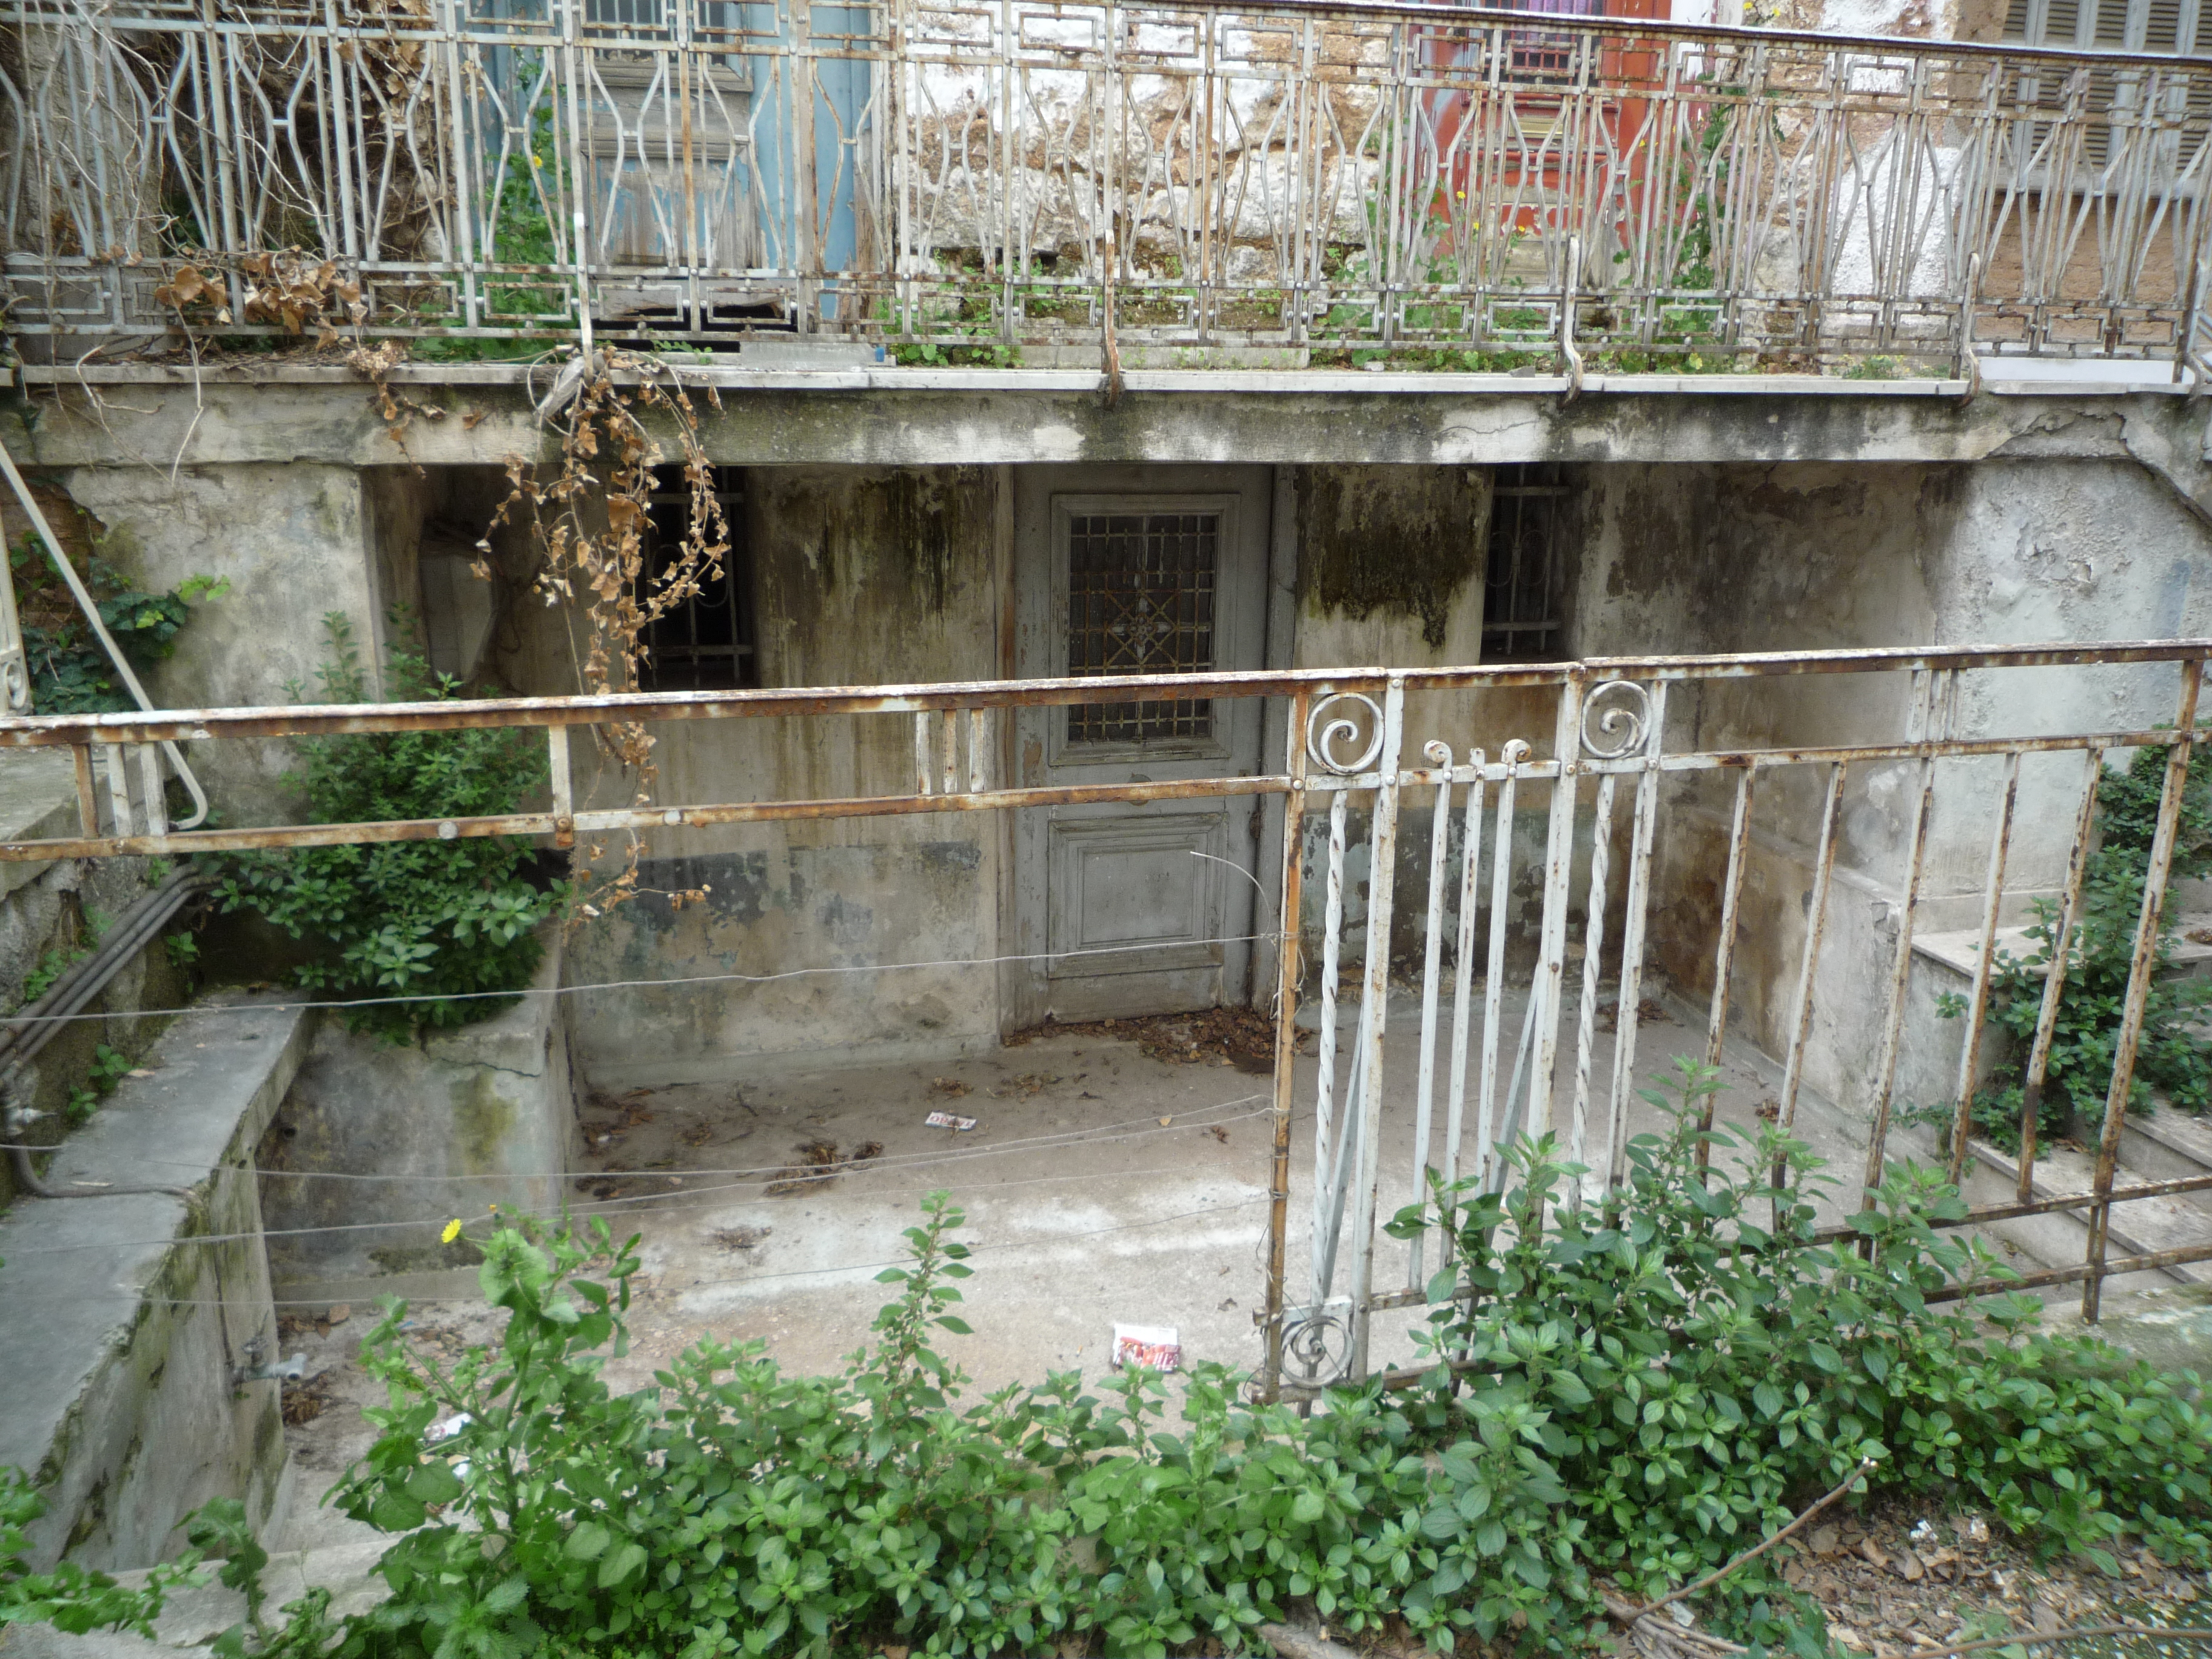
point(1005, 173)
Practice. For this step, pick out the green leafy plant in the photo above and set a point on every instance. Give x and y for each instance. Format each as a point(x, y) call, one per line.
point(109, 1067)
point(2170, 1057)
point(71, 1598)
point(448, 920)
point(219, 1528)
point(70, 672)
point(53, 964)
point(1633, 1388)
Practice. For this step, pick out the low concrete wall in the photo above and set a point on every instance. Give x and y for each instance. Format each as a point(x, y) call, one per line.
point(129, 1315)
point(449, 1123)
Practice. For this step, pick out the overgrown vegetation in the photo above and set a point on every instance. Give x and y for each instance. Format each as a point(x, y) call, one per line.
point(2170, 1058)
point(71, 673)
point(71, 1598)
point(1638, 1390)
point(108, 1068)
point(588, 527)
point(448, 920)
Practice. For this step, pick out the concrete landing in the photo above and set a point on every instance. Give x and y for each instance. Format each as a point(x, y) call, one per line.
point(129, 1313)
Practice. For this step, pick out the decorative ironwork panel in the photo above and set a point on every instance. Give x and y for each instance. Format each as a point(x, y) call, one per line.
point(1140, 593)
point(1458, 190)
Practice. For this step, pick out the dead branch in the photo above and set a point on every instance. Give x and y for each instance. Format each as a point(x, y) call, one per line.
point(1751, 1555)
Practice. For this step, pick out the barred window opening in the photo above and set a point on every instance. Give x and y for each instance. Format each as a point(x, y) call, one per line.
point(704, 643)
point(1520, 605)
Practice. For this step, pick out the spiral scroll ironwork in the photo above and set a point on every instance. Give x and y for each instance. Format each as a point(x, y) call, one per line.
point(1323, 736)
point(1317, 1346)
point(1622, 709)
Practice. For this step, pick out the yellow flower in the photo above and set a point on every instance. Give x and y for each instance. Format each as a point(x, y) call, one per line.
point(453, 1232)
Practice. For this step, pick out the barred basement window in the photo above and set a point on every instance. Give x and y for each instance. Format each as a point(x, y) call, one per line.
point(1520, 601)
point(705, 643)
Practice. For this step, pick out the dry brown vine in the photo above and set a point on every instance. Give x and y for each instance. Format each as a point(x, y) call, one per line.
point(588, 523)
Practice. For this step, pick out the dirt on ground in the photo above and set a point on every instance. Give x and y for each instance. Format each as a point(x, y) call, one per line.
point(1244, 1037)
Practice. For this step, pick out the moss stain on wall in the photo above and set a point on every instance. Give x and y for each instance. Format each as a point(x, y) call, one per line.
point(1393, 540)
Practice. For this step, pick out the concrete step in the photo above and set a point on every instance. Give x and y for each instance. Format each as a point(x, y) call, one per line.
point(2060, 1238)
point(1956, 948)
point(193, 1618)
point(134, 1308)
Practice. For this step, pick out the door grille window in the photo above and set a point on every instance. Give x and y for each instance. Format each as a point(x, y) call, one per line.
point(1140, 596)
point(704, 643)
point(1519, 602)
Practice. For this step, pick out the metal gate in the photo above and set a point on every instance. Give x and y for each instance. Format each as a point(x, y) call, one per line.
point(1481, 1078)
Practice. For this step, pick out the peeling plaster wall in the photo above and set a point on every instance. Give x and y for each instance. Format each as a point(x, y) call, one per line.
point(1389, 573)
point(296, 540)
point(862, 576)
point(1814, 556)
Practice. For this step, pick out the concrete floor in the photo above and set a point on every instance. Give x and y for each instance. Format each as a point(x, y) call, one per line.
point(1100, 1184)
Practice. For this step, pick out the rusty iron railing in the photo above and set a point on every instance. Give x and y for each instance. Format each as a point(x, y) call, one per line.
point(1449, 185)
point(1638, 817)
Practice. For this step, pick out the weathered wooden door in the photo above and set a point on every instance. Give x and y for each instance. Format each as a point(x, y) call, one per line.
point(1128, 908)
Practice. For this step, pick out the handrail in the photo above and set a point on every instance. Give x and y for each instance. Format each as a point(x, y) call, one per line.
point(329, 719)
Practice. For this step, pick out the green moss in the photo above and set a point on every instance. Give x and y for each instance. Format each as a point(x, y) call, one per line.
point(1393, 540)
point(427, 1258)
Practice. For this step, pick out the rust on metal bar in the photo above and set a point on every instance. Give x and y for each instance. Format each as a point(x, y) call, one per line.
point(2089, 1274)
point(1970, 1056)
point(311, 720)
point(1938, 702)
point(651, 818)
point(2054, 983)
point(2139, 972)
point(88, 796)
point(1724, 952)
point(1286, 1039)
point(1816, 920)
point(1977, 1216)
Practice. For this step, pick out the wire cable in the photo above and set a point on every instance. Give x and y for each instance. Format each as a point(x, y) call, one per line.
point(801, 1173)
point(751, 1279)
point(649, 984)
point(888, 1161)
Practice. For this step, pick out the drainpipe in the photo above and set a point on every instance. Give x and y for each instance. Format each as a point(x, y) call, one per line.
point(26, 1033)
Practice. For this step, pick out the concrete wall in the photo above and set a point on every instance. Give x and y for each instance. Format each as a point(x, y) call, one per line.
point(1806, 557)
point(296, 541)
point(870, 575)
point(131, 1314)
point(862, 576)
point(449, 1123)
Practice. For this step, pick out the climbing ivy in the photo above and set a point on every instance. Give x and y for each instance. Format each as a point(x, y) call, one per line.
point(71, 673)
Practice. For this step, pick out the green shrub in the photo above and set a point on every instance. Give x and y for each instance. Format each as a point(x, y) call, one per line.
point(1658, 1381)
point(437, 919)
point(71, 1598)
point(2169, 1055)
point(70, 672)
